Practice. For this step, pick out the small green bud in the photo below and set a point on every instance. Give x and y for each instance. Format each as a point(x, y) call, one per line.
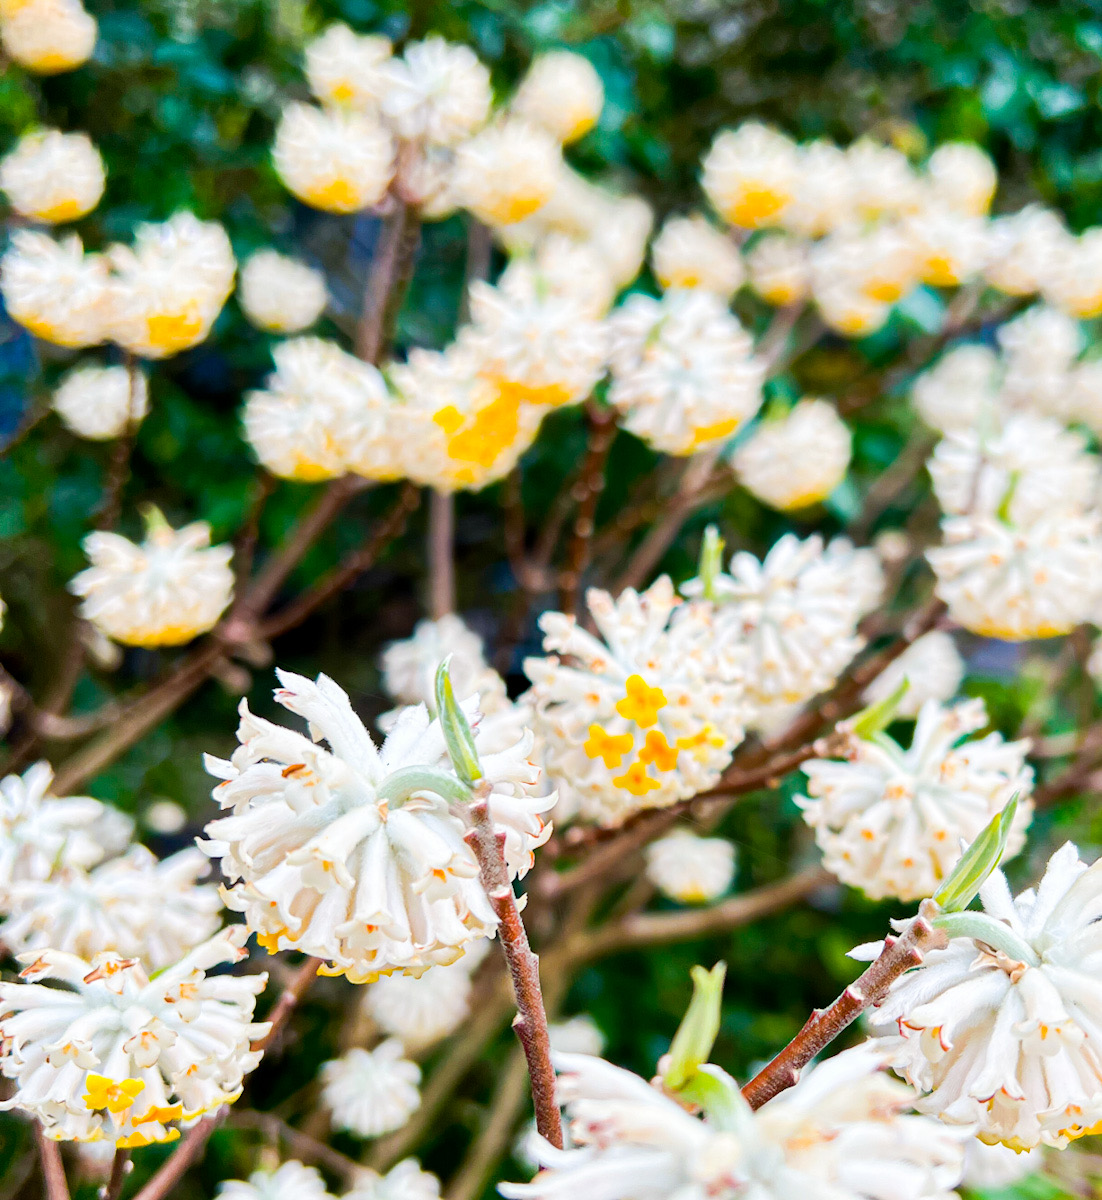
point(695, 1036)
point(877, 717)
point(977, 862)
point(457, 730)
point(711, 561)
point(154, 519)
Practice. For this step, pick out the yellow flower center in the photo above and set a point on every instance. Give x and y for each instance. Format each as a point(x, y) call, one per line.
point(641, 702)
point(106, 1093)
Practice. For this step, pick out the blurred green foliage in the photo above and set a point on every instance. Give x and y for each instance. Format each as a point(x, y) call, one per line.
point(182, 97)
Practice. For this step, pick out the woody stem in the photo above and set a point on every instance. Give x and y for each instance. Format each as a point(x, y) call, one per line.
point(530, 1022)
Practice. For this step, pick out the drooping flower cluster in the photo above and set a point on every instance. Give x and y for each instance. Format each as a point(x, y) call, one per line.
point(691, 869)
point(999, 1030)
point(843, 1133)
point(164, 592)
point(47, 36)
point(281, 294)
point(53, 176)
point(352, 853)
point(648, 715)
point(155, 298)
point(111, 1054)
point(684, 377)
point(794, 615)
point(102, 402)
point(891, 821)
point(371, 1092)
point(933, 669)
point(795, 459)
point(421, 1011)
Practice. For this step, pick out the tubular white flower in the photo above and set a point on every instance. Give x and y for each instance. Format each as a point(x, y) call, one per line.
point(950, 247)
point(751, 175)
point(562, 93)
point(114, 1055)
point(48, 36)
point(281, 294)
point(289, 1181)
point(824, 199)
point(53, 176)
point(683, 371)
point(370, 1092)
point(506, 172)
point(689, 252)
point(884, 185)
point(569, 268)
point(795, 460)
point(352, 853)
point(343, 68)
point(1018, 582)
point(436, 92)
point(932, 667)
point(646, 717)
point(164, 592)
point(337, 160)
point(1021, 248)
point(963, 177)
point(1032, 467)
point(576, 1035)
point(959, 389)
point(101, 402)
point(133, 906)
point(1001, 1028)
point(455, 426)
point(406, 1181)
point(41, 832)
point(169, 288)
point(796, 614)
point(779, 269)
point(322, 413)
point(409, 665)
point(998, 1166)
point(532, 343)
point(691, 869)
point(1071, 279)
point(54, 289)
point(421, 1011)
point(843, 1133)
point(892, 821)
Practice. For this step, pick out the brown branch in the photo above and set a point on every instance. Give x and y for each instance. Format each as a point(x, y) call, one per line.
point(120, 1168)
point(530, 1022)
point(638, 930)
point(53, 1169)
point(288, 1001)
point(390, 527)
point(770, 349)
point(441, 553)
point(373, 330)
point(34, 414)
point(870, 987)
point(586, 492)
point(301, 1145)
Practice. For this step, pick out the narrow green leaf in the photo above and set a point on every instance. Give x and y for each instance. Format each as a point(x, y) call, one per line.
point(457, 731)
point(695, 1036)
point(711, 561)
point(977, 862)
point(877, 717)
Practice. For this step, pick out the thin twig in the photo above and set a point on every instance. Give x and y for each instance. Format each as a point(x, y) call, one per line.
point(53, 1169)
point(824, 1025)
point(289, 1000)
point(300, 1144)
point(586, 493)
point(120, 1168)
point(341, 576)
point(530, 1023)
point(371, 332)
point(441, 553)
point(34, 414)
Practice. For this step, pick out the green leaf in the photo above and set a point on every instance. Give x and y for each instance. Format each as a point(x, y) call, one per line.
point(695, 1036)
point(977, 862)
point(877, 717)
point(711, 561)
point(457, 731)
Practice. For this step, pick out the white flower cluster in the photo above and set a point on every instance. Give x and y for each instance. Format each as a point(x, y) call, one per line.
point(1022, 532)
point(645, 717)
point(423, 124)
point(892, 821)
point(155, 298)
point(53, 176)
point(844, 1132)
point(372, 1092)
point(47, 36)
point(1000, 1030)
point(99, 403)
point(164, 592)
point(691, 869)
point(112, 1054)
point(793, 618)
point(352, 853)
point(294, 1181)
